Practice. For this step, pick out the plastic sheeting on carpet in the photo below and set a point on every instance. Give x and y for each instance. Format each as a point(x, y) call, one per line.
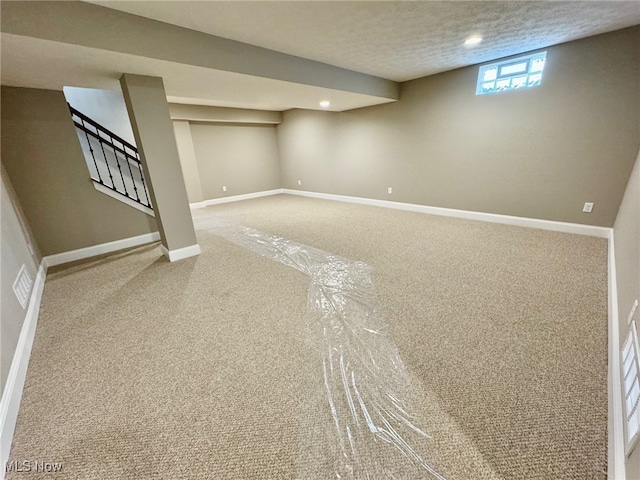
point(367, 386)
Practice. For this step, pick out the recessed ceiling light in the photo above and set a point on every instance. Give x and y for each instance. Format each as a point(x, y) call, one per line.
point(472, 41)
point(325, 104)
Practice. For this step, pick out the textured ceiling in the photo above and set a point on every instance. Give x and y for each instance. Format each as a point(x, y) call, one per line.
point(394, 40)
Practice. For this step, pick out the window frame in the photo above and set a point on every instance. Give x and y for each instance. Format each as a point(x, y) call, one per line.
point(523, 76)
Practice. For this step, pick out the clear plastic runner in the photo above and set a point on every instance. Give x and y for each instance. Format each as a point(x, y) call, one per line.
point(368, 389)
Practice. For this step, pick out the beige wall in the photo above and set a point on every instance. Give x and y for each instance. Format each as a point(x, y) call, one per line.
point(244, 158)
point(44, 161)
point(627, 248)
point(15, 237)
point(537, 153)
point(184, 142)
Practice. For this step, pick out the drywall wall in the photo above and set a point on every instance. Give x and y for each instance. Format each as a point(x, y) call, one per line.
point(627, 248)
point(539, 153)
point(188, 163)
point(15, 240)
point(43, 158)
point(626, 236)
point(244, 158)
point(106, 107)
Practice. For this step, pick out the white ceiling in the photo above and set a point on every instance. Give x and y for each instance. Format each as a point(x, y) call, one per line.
point(37, 63)
point(394, 40)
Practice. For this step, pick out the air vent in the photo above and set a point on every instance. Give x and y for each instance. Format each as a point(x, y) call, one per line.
point(630, 369)
point(22, 286)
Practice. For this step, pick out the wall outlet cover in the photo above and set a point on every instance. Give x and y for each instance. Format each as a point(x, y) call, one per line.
point(588, 207)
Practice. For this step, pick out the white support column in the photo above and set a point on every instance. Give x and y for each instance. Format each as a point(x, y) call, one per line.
point(149, 113)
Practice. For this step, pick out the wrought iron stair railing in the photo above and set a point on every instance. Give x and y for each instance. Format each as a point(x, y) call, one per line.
point(113, 162)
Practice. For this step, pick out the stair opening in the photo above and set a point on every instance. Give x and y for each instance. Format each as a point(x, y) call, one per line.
point(113, 162)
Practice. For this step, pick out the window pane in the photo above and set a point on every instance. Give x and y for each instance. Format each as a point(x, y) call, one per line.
point(503, 84)
point(534, 80)
point(514, 68)
point(490, 74)
point(537, 64)
point(488, 87)
point(518, 82)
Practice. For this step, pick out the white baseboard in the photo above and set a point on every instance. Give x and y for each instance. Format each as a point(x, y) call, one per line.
point(12, 393)
point(577, 228)
point(100, 249)
point(181, 253)
point(235, 198)
point(616, 435)
point(122, 198)
point(602, 232)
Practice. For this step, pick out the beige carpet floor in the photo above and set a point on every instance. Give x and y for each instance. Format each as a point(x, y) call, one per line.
point(205, 368)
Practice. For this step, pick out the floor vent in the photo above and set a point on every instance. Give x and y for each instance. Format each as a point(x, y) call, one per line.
point(630, 370)
point(22, 286)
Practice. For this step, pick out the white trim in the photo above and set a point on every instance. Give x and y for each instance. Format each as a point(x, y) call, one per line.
point(602, 232)
point(12, 393)
point(181, 253)
point(616, 435)
point(100, 249)
point(235, 198)
point(122, 198)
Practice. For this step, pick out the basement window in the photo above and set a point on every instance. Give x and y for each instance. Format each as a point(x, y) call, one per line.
point(512, 74)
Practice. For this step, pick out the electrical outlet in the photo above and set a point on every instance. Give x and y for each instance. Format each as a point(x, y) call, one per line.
point(588, 207)
point(389, 190)
point(633, 311)
point(299, 182)
point(224, 188)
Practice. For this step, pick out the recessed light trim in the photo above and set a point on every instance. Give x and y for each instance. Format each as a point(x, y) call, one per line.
point(325, 104)
point(472, 41)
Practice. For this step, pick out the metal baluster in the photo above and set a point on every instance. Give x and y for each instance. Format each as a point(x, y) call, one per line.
point(91, 150)
point(133, 180)
point(106, 161)
point(146, 192)
point(115, 154)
